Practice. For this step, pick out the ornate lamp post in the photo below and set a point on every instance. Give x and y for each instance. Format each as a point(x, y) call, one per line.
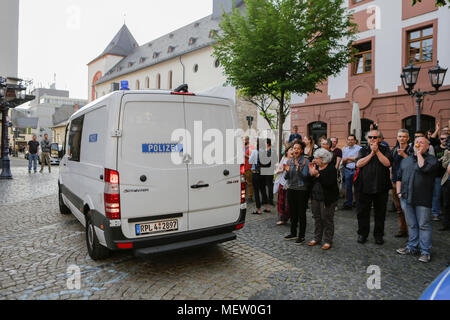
point(11, 95)
point(409, 78)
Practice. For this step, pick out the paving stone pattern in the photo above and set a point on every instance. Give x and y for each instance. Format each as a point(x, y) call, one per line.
point(37, 245)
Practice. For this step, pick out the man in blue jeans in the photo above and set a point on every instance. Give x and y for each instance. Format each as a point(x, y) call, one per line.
point(33, 151)
point(349, 155)
point(415, 190)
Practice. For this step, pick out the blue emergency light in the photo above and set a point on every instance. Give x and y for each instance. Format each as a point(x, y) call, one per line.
point(124, 85)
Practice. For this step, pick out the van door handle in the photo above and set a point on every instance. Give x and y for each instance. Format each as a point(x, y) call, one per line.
point(198, 186)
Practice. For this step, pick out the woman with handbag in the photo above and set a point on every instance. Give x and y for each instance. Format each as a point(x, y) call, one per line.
point(324, 197)
point(280, 187)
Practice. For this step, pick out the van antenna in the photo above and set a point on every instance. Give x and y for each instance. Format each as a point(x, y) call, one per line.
point(183, 70)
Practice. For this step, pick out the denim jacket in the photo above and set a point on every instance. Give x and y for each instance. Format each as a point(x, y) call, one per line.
point(298, 179)
point(411, 176)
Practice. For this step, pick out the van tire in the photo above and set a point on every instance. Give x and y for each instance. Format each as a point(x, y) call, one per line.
point(63, 209)
point(95, 249)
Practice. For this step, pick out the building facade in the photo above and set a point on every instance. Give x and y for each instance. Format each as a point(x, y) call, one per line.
point(38, 117)
point(182, 56)
point(391, 33)
point(9, 23)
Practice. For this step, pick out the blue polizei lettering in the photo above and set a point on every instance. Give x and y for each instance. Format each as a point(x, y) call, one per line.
point(162, 147)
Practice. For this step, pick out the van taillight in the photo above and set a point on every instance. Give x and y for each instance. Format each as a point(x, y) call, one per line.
point(242, 183)
point(112, 194)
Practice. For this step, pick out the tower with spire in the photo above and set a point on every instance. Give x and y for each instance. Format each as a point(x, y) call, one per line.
point(122, 45)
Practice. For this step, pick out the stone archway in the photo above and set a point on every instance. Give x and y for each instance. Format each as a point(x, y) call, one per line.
point(97, 76)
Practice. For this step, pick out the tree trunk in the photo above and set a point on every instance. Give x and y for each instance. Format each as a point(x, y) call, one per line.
point(280, 125)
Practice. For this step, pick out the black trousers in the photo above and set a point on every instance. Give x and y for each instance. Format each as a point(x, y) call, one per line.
point(364, 206)
point(446, 203)
point(298, 200)
point(259, 189)
point(268, 185)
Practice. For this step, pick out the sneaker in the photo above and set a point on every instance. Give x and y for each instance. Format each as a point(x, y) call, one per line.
point(290, 237)
point(425, 258)
point(300, 241)
point(435, 218)
point(405, 251)
point(379, 241)
point(362, 239)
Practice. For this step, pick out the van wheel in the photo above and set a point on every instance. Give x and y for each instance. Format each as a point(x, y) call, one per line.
point(63, 209)
point(95, 249)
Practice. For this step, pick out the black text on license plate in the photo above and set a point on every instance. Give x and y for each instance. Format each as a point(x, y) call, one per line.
point(157, 226)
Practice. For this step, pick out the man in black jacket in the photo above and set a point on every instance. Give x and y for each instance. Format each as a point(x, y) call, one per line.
point(373, 185)
point(415, 190)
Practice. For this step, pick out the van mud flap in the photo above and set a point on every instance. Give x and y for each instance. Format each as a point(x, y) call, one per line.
point(185, 244)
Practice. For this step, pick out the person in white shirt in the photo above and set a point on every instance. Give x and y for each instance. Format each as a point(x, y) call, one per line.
point(349, 155)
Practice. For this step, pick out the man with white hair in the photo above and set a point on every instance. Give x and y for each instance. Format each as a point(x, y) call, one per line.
point(415, 190)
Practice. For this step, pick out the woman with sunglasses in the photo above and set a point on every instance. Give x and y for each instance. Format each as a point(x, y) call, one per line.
point(374, 184)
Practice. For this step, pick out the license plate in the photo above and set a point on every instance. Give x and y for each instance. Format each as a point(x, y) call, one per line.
point(156, 227)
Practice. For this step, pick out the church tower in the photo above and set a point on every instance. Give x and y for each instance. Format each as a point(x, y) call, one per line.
point(122, 45)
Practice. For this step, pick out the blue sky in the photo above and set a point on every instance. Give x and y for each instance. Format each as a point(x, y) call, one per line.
point(61, 36)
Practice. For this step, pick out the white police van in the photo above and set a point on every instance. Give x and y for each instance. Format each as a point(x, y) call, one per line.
point(118, 176)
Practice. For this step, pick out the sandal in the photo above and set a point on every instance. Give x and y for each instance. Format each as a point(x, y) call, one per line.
point(279, 223)
point(313, 243)
point(326, 246)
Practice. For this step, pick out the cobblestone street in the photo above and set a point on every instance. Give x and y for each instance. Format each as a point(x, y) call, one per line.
point(38, 244)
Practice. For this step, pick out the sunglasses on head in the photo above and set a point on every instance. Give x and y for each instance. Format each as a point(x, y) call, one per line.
point(372, 137)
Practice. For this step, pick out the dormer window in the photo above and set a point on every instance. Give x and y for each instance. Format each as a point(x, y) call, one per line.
point(170, 49)
point(171, 35)
point(192, 41)
point(130, 64)
point(156, 55)
point(142, 59)
point(196, 24)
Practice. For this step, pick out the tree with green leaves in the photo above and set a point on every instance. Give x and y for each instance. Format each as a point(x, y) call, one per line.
point(279, 47)
point(439, 3)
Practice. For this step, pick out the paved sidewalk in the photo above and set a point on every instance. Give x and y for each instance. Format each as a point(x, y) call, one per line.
point(38, 244)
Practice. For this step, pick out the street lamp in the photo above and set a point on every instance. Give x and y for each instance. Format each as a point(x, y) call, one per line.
point(409, 77)
point(11, 95)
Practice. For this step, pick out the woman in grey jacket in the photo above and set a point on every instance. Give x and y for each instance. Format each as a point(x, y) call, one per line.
point(297, 181)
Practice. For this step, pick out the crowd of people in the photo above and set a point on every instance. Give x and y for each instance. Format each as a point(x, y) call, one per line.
point(416, 171)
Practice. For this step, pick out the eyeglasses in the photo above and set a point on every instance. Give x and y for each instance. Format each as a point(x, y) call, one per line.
point(372, 137)
point(442, 139)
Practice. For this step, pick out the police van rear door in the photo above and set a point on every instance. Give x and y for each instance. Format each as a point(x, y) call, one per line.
point(213, 171)
point(153, 193)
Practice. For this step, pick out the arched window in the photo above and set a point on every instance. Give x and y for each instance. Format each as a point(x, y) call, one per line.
point(97, 76)
point(147, 83)
point(426, 123)
point(317, 129)
point(158, 81)
point(170, 79)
